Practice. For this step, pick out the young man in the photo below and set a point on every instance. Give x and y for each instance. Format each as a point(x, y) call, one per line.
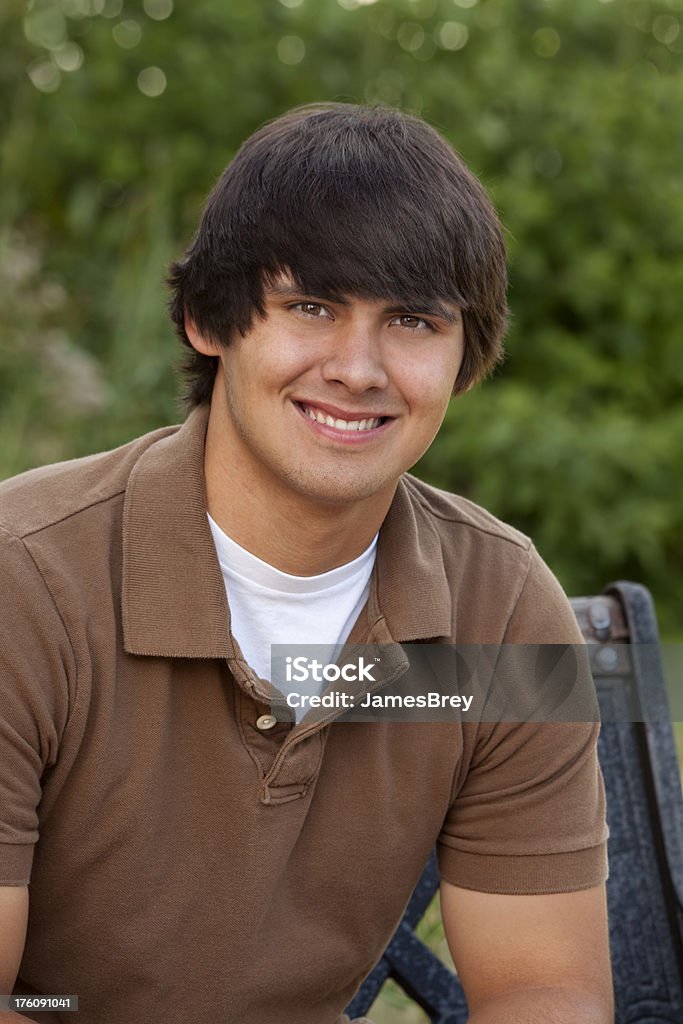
point(193, 856)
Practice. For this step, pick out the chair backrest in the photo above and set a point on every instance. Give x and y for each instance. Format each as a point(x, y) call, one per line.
point(645, 816)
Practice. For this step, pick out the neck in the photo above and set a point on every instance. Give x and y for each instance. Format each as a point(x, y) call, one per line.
point(291, 532)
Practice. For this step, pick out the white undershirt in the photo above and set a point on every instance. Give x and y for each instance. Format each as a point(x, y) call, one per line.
point(268, 606)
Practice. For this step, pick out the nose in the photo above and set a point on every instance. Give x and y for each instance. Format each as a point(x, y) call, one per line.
point(355, 360)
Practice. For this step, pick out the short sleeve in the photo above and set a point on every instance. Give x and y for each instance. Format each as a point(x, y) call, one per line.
point(528, 812)
point(35, 658)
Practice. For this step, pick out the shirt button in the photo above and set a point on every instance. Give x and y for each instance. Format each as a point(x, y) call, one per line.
point(264, 722)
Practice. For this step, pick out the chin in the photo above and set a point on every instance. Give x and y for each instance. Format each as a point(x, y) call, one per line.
point(337, 492)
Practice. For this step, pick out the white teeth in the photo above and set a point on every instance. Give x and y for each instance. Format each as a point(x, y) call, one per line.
point(329, 421)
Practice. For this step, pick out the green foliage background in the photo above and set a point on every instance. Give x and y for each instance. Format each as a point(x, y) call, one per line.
point(569, 110)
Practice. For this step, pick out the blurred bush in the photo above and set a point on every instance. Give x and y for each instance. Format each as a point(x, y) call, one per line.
point(118, 116)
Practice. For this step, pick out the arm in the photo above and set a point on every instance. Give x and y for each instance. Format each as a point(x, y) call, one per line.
point(531, 959)
point(527, 821)
point(13, 919)
point(34, 703)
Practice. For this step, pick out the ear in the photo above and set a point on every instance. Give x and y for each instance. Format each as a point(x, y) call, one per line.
point(207, 346)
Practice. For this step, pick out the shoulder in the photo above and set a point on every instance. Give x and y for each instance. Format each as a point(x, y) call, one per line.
point(452, 513)
point(41, 498)
point(500, 587)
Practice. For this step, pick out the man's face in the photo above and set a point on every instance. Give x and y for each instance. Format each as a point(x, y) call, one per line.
point(331, 400)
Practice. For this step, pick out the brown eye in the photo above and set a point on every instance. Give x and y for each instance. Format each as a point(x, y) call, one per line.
point(313, 310)
point(413, 323)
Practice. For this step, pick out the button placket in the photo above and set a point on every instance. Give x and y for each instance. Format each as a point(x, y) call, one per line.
point(296, 766)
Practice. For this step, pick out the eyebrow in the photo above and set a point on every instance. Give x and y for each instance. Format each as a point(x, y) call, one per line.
point(289, 291)
point(426, 306)
point(430, 308)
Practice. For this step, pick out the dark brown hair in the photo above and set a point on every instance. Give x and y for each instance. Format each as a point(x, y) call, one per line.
point(350, 200)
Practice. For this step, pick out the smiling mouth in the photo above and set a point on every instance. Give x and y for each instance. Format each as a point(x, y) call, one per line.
point(352, 426)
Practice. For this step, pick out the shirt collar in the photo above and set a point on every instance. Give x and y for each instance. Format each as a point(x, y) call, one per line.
point(412, 592)
point(173, 595)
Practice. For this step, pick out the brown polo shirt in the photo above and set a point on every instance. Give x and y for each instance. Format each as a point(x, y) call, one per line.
point(185, 865)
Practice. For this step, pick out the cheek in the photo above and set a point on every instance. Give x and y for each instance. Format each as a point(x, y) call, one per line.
point(278, 367)
point(429, 395)
point(428, 379)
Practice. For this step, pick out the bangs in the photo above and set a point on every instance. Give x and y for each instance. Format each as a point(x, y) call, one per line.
point(341, 249)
